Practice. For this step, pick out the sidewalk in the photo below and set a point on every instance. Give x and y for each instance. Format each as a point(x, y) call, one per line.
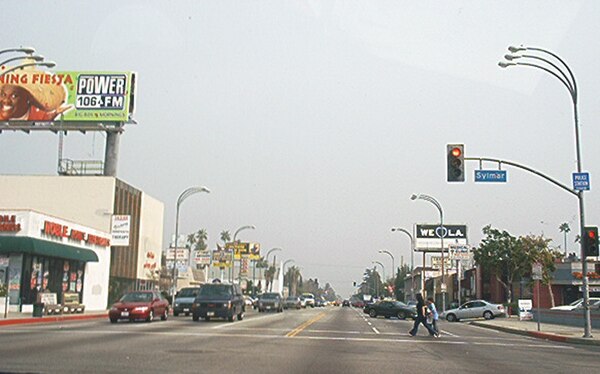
point(14, 318)
point(554, 332)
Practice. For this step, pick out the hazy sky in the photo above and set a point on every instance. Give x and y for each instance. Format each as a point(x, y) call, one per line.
point(317, 120)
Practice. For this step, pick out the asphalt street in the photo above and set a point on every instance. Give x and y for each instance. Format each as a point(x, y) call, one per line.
point(320, 340)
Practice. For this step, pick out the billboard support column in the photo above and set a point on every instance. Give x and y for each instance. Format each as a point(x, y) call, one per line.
point(111, 153)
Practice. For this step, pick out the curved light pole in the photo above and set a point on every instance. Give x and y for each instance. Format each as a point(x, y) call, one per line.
point(568, 80)
point(283, 270)
point(184, 195)
point(267, 259)
point(441, 235)
point(382, 271)
point(393, 262)
point(27, 50)
point(247, 227)
point(412, 261)
point(48, 64)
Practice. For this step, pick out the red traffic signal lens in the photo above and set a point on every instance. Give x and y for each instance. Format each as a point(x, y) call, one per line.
point(456, 152)
point(592, 234)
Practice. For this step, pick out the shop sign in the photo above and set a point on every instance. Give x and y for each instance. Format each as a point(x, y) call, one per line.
point(121, 227)
point(222, 259)
point(182, 253)
point(57, 230)
point(241, 249)
point(8, 223)
point(202, 257)
point(525, 307)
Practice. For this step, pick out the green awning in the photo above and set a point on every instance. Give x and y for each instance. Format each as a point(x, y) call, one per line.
point(20, 244)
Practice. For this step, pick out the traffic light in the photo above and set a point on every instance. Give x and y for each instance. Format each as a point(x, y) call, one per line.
point(591, 242)
point(456, 162)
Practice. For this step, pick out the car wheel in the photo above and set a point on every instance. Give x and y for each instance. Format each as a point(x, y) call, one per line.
point(488, 315)
point(230, 318)
point(401, 315)
point(240, 316)
point(195, 318)
point(150, 317)
point(372, 313)
point(165, 315)
point(451, 318)
point(113, 320)
point(207, 319)
point(175, 314)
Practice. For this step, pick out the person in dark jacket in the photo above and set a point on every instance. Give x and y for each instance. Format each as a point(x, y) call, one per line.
point(421, 318)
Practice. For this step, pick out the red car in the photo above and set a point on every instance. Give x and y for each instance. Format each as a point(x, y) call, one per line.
point(139, 305)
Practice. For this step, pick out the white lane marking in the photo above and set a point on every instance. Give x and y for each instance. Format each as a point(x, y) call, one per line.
point(422, 340)
point(449, 333)
point(231, 325)
point(375, 330)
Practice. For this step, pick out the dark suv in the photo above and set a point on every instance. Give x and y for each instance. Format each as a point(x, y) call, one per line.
point(217, 300)
point(270, 301)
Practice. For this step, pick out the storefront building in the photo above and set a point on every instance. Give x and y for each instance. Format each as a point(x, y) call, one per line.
point(58, 232)
point(48, 254)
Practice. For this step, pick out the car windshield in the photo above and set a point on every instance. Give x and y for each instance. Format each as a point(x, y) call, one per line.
point(576, 302)
point(269, 296)
point(189, 292)
point(215, 290)
point(400, 304)
point(136, 297)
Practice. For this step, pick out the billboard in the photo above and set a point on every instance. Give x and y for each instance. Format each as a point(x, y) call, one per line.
point(222, 259)
point(428, 237)
point(240, 249)
point(120, 229)
point(33, 95)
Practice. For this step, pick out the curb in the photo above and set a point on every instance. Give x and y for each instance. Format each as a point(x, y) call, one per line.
point(23, 321)
point(539, 334)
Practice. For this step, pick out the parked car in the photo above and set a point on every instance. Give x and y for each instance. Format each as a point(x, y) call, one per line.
point(578, 304)
point(390, 308)
point(346, 303)
point(270, 301)
point(184, 300)
point(219, 300)
point(292, 302)
point(474, 309)
point(139, 305)
point(358, 303)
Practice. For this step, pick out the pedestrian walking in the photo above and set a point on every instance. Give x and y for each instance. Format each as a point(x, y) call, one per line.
point(421, 318)
point(432, 316)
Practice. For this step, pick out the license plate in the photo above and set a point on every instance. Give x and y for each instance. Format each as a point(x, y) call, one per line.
point(186, 309)
point(124, 314)
point(210, 314)
point(268, 307)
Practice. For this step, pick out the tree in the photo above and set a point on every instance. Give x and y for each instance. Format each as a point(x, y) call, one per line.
point(225, 236)
point(269, 275)
point(565, 229)
point(539, 251)
point(502, 255)
point(197, 240)
point(399, 281)
point(292, 278)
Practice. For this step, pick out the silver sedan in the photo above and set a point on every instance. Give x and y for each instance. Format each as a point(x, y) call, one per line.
point(474, 309)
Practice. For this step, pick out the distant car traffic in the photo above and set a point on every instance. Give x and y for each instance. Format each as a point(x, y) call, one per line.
point(309, 299)
point(216, 300)
point(474, 309)
point(292, 302)
point(390, 308)
point(270, 301)
point(346, 303)
point(578, 304)
point(184, 300)
point(139, 305)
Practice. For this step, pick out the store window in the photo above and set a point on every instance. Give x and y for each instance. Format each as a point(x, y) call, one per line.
point(46, 274)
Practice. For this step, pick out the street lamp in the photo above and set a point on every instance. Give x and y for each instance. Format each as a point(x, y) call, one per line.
point(412, 261)
point(568, 80)
point(382, 271)
point(184, 195)
point(48, 64)
point(393, 263)
point(267, 259)
point(248, 227)
point(441, 234)
point(27, 50)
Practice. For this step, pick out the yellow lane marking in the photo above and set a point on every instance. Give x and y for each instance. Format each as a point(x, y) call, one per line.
point(299, 329)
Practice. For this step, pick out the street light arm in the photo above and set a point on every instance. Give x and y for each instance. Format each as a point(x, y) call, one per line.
point(243, 228)
point(189, 192)
point(48, 64)
point(572, 93)
point(269, 252)
point(22, 49)
point(37, 58)
point(570, 86)
point(559, 59)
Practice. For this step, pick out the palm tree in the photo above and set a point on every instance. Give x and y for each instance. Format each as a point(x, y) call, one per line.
point(291, 278)
point(564, 228)
point(225, 236)
point(202, 236)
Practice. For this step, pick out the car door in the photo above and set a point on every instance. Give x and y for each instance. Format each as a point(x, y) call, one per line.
point(465, 310)
point(477, 309)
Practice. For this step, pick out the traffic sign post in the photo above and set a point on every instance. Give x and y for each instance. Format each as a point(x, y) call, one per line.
point(581, 181)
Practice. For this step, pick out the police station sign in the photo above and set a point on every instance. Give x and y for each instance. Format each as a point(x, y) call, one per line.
point(428, 237)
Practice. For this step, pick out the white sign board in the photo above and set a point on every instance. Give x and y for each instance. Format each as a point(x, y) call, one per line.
point(182, 253)
point(120, 229)
point(525, 307)
point(459, 252)
point(536, 271)
point(202, 258)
